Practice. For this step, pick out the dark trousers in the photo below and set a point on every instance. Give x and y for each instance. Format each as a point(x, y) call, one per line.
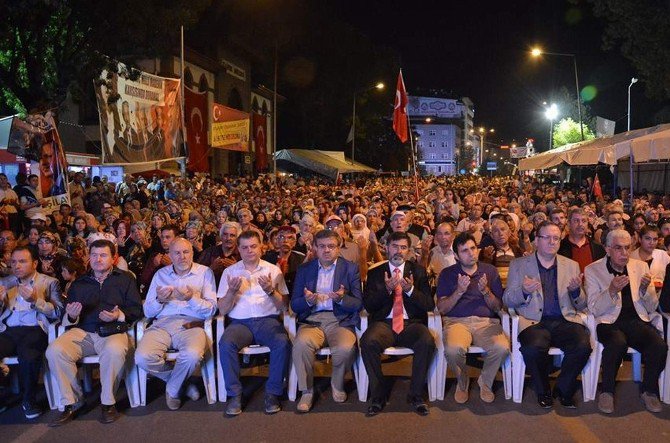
point(379, 336)
point(264, 331)
point(28, 343)
point(639, 335)
point(572, 338)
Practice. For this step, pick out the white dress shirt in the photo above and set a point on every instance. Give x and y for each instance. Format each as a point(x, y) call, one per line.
point(200, 278)
point(251, 301)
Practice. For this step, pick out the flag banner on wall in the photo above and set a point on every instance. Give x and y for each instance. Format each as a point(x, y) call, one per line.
point(140, 118)
point(36, 140)
point(197, 122)
point(260, 141)
point(230, 129)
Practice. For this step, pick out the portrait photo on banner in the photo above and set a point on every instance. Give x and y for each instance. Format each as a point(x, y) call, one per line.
point(140, 117)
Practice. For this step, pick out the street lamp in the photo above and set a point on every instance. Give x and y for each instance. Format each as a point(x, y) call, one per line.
point(379, 86)
point(632, 82)
point(537, 52)
point(551, 113)
point(482, 135)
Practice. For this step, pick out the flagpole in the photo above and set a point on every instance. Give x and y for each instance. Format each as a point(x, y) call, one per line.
point(411, 144)
point(182, 163)
point(274, 117)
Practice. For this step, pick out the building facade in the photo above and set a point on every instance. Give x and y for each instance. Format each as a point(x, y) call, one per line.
point(442, 128)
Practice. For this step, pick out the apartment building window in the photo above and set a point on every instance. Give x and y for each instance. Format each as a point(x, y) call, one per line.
point(445, 144)
point(445, 132)
point(433, 156)
point(431, 144)
point(432, 132)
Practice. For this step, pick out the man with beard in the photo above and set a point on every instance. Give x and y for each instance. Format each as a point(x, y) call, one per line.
point(285, 257)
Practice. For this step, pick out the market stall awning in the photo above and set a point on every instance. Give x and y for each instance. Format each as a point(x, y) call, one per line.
point(328, 163)
point(647, 144)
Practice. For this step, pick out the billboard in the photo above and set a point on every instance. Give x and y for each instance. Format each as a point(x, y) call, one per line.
point(230, 129)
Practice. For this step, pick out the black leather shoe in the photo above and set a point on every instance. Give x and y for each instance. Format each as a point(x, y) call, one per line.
point(69, 413)
point(376, 406)
point(545, 401)
point(108, 414)
point(420, 406)
point(566, 402)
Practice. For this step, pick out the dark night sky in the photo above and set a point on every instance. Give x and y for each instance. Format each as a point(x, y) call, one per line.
point(481, 50)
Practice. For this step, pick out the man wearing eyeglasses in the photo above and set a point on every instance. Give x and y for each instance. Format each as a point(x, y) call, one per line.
point(624, 303)
point(545, 290)
point(285, 257)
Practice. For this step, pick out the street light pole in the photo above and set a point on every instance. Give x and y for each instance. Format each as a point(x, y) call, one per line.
point(536, 52)
point(632, 82)
point(379, 86)
point(551, 113)
point(631, 160)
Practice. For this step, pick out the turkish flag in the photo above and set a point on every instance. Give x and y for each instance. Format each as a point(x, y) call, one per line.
point(597, 190)
point(260, 141)
point(400, 124)
point(197, 121)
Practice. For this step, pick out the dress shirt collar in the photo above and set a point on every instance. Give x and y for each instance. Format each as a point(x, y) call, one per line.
point(393, 268)
point(329, 268)
point(613, 271)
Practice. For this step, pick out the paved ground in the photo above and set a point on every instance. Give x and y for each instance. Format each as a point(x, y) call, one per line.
point(501, 421)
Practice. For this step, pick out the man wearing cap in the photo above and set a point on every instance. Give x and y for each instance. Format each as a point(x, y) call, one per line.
point(31, 199)
point(284, 256)
point(399, 223)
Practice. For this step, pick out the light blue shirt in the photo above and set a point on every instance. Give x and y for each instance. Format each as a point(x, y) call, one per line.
point(324, 286)
point(202, 305)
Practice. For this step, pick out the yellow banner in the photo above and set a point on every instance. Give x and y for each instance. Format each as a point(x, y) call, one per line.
point(231, 135)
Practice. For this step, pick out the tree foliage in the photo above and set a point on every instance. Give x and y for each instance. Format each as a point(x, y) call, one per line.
point(641, 29)
point(568, 131)
point(49, 46)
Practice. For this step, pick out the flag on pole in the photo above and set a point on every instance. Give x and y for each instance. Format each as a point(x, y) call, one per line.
point(597, 190)
point(400, 121)
point(350, 137)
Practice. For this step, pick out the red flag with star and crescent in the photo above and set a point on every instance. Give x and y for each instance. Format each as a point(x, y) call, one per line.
point(400, 123)
point(597, 190)
point(197, 122)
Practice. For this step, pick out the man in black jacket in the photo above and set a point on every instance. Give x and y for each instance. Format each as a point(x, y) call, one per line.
point(97, 302)
point(398, 298)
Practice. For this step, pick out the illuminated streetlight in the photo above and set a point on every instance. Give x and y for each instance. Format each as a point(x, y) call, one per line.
point(537, 52)
point(428, 120)
point(379, 86)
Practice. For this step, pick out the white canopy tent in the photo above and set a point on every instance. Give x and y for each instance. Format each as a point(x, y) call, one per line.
point(328, 163)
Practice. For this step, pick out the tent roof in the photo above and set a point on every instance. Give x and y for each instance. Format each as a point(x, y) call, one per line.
point(328, 163)
point(647, 144)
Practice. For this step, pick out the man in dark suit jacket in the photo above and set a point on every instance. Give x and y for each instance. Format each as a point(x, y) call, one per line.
point(577, 246)
point(327, 298)
point(398, 298)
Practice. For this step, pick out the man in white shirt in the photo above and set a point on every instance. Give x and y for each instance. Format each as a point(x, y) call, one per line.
point(442, 255)
point(474, 223)
point(253, 293)
point(180, 298)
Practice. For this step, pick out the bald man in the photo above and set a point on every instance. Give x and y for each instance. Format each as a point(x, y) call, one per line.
point(181, 297)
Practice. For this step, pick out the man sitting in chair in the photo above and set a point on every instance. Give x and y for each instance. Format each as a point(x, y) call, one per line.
point(180, 298)
point(545, 289)
point(624, 304)
point(101, 306)
point(398, 298)
point(327, 298)
point(469, 297)
point(253, 294)
point(28, 302)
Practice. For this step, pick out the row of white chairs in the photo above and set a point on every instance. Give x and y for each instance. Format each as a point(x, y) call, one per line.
point(513, 368)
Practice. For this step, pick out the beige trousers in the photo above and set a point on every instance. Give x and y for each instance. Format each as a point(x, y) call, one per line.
point(325, 331)
point(462, 332)
point(115, 353)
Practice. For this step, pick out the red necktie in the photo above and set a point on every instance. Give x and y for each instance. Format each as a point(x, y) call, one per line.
point(397, 322)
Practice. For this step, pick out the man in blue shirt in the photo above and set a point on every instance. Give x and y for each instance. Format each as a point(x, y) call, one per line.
point(469, 297)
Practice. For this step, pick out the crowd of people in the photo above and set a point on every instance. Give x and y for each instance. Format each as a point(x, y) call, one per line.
point(179, 250)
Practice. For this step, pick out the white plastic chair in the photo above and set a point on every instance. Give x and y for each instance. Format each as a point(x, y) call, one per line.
point(46, 374)
point(246, 351)
point(636, 358)
point(363, 380)
point(442, 371)
point(130, 379)
point(519, 366)
point(665, 388)
point(291, 327)
point(206, 367)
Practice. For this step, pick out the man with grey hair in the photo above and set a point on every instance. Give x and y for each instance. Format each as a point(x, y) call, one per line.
point(307, 227)
point(224, 254)
point(624, 304)
point(181, 297)
point(399, 222)
point(577, 246)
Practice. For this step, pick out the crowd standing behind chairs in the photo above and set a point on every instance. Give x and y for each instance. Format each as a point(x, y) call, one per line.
point(298, 267)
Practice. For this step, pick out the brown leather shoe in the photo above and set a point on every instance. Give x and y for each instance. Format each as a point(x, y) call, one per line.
point(68, 414)
point(108, 414)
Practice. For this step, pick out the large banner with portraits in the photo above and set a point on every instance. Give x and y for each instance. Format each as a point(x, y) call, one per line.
point(36, 140)
point(140, 117)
